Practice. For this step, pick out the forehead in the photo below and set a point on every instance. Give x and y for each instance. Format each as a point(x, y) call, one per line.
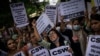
point(93, 21)
point(10, 41)
point(52, 31)
point(75, 21)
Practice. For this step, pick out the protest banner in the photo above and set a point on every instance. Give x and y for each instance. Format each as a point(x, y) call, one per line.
point(44, 24)
point(72, 9)
point(19, 54)
point(60, 51)
point(19, 14)
point(93, 47)
point(39, 51)
point(51, 12)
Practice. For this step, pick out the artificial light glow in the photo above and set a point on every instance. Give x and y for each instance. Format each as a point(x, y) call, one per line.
point(41, 0)
point(53, 2)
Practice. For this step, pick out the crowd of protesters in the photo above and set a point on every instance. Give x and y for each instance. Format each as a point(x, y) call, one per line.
point(73, 33)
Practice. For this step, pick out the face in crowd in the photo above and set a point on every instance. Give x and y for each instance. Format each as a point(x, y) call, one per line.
point(95, 23)
point(33, 39)
point(53, 36)
point(11, 44)
point(76, 25)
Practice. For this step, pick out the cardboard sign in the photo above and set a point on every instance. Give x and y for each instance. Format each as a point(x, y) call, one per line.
point(72, 8)
point(19, 14)
point(93, 47)
point(19, 54)
point(60, 51)
point(39, 51)
point(51, 12)
point(59, 15)
point(44, 24)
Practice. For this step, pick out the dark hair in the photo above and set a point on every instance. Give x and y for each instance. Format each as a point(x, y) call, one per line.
point(7, 44)
point(73, 20)
point(95, 17)
point(61, 39)
point(79, 19)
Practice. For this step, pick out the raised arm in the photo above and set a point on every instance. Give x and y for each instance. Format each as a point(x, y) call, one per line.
point(62, 25)
point(36, 31)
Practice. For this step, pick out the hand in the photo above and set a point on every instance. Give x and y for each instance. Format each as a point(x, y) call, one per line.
point(34, 23)
point(70, 50)
point(62, 18)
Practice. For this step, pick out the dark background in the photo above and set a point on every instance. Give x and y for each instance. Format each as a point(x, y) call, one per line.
point(5, 13)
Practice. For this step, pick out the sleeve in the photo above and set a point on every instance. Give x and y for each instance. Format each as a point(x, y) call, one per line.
point(44, 44)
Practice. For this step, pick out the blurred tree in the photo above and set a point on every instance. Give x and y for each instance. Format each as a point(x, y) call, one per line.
point(6, 19)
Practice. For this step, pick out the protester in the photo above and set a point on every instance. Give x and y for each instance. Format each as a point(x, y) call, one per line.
point(95, 24)
point(12, 47)
point(73, 32)
point(56, 39)
point(34, 44)
point(79, 38)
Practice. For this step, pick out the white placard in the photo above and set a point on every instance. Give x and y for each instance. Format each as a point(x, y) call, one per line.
point(60, 51)
point(19, 14)
point(44, 24)
point(51, 12)
point(19, 54)
point(72, 9)
point(39, 51)
point(93, 47)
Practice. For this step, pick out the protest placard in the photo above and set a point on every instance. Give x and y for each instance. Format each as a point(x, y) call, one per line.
point(72, 9)
point(51, 12)
point(19, 54)
point(19, 14)
point(44, 24)
point(60, 51)
point(39, 51)
point(93, 47)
